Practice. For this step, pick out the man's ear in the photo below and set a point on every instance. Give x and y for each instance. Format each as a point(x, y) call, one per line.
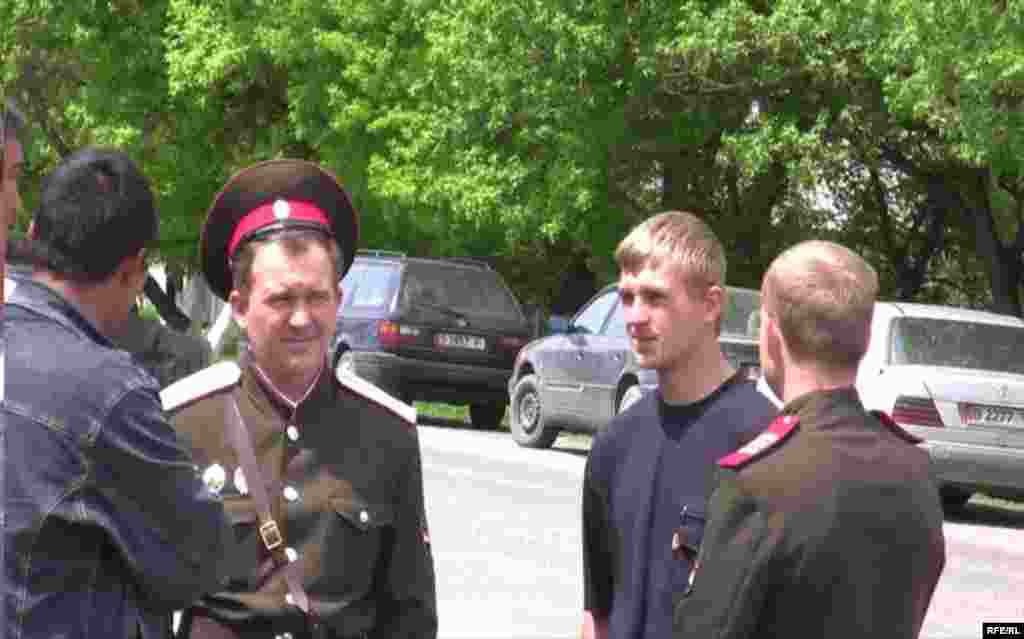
point(239, 306)
point(715, 298)
point(132, 270)
point(776, 341)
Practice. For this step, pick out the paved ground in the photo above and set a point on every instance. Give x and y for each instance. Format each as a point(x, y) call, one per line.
point(506, 535)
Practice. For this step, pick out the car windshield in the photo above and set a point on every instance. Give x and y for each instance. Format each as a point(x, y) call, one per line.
point(466, 290)
point(957, 344)
point(742, 316)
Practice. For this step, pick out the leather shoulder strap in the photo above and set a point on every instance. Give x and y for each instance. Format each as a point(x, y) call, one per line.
point(270, 532)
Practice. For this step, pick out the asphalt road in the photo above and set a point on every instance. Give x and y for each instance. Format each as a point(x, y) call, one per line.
point(505, 530)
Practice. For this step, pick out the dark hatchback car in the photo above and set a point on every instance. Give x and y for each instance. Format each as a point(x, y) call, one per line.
point(578, 380)
point(442, 330)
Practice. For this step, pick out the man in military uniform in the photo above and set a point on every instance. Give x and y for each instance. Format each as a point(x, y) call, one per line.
point(324, 484)
point(828, 524)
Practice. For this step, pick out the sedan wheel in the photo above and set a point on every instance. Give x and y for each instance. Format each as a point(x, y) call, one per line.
point(529, 426)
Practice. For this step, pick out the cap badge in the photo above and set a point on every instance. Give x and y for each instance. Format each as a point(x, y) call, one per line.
point(214, 477)
point(240, 484)
point(282, 210)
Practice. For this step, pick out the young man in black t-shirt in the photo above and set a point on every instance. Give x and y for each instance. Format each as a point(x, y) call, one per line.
point(650, 472)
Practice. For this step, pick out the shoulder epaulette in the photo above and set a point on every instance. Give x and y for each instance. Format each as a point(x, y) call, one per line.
point(200, 384)
point(891, 424)
point(377, 395)
point(774, 435)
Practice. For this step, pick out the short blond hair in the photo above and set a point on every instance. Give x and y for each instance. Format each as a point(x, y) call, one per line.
point(822, 296)
point(678, 238)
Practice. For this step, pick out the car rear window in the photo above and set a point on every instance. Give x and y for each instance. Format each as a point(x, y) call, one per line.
point(957, 344)
point(467, 289)
point(369, 286)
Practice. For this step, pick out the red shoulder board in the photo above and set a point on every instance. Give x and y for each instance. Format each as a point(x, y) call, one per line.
point(891, 424)
point(775, 434)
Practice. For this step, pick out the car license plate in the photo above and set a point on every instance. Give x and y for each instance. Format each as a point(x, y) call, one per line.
point(993, 415)
point(454, 340)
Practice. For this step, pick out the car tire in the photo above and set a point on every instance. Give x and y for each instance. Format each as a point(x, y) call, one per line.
point(529, 423)
point(487, 416)
point(629, 397)
point(954, 498)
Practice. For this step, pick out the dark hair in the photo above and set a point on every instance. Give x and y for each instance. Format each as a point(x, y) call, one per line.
point(95, 210)
point(294, 241)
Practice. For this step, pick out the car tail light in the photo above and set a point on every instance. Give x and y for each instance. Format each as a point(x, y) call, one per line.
point(511, 343)
point(394, 334)
point(970, 414)
point(916, 411)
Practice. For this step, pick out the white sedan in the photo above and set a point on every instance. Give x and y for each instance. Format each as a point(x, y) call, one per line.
point(954, 377)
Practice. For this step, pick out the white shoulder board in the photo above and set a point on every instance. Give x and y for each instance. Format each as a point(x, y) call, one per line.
point(200, 384)
point(372, 392)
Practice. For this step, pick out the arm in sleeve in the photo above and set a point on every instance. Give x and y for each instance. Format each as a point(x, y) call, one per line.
point(171, 530)
point(731, 580)
point(409, 605)
point(598, 556)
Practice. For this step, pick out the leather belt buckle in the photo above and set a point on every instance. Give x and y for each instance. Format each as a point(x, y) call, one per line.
point(271, 534)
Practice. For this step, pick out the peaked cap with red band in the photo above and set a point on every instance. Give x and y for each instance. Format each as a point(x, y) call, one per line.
point(268, 197)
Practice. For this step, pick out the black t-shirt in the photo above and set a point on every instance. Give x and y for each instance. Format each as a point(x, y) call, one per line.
point(651, 462)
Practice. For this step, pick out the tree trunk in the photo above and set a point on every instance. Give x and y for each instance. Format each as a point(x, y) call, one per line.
point(1004, 263)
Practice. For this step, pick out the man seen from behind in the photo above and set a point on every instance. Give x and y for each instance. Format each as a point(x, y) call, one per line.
point(108, 525)
point(829, 523)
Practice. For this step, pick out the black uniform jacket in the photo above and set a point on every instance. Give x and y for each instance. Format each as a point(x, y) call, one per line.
point(826, 525)
point(344, 477)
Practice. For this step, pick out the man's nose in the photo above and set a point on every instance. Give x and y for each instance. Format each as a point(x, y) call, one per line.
point(635, 313)
point(300, 316)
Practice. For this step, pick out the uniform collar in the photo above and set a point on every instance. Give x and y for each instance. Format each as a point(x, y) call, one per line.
point(268, 399)
point(820, 409)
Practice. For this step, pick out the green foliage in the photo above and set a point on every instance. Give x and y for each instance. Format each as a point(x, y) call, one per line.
point(539, 131)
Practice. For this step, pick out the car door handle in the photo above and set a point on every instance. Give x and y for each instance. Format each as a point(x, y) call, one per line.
point(579, 355)
point(617, 356)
